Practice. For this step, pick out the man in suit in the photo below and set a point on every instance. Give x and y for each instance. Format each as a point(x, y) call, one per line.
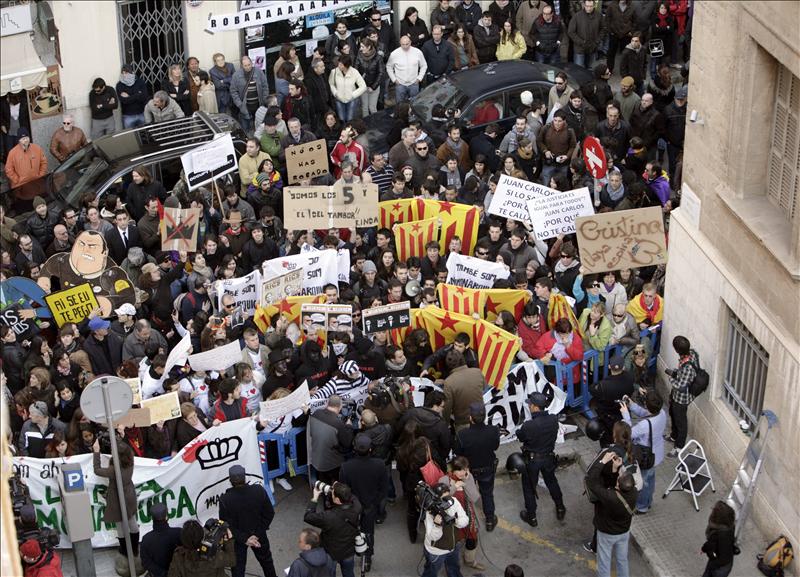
point(122, 237)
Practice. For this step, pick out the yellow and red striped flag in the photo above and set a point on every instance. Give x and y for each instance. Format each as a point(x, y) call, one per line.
point(288, 307)
point(496, 350)
point(511, 300)
point(411, 237)
point(442, 326)
point(456, 220)
point(461, 300)
point(404, 210)
point(559, 308)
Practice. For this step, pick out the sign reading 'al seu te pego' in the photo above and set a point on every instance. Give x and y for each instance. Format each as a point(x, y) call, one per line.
point(339, 206)
point(71, 305)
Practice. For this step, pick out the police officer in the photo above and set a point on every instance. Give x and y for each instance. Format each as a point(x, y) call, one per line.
point(478, 444)
point(607, 394)
point(538, 437)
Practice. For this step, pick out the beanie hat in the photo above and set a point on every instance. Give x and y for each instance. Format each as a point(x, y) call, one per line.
point(31, 549)
point(369, 266)
point(260, 178)
point(23, 132)
point(38, 201)
point(526, 97)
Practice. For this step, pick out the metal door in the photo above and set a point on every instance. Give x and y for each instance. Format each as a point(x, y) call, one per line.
point(151, 34)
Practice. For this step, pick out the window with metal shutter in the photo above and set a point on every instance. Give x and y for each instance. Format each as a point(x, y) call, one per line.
point(783, 182)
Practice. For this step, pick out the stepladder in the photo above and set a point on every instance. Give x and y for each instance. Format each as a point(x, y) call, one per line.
point(692, 474)
point(744, 485)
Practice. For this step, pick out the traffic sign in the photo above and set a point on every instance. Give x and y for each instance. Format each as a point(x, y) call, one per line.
point(93, 402)
point(595, 157)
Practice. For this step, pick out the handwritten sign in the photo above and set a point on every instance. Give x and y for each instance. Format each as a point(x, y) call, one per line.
point(338, 206)
point(386, 317)
point(306, 161)
point(136, 388)
point(209, 161)
point(179, 229)
point(624, 239)
point(217, 359)
point(163, 407)
point(511, 197)
point(554, 213)
point(471, 272)
point(319, 269)
point(277, 408)
point(71, 305)
point(278, 288)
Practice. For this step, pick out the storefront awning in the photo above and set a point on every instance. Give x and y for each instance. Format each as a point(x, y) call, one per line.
point(20, 67)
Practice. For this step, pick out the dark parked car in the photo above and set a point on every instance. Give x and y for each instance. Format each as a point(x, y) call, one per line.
point(497, 84)
point(105, 165)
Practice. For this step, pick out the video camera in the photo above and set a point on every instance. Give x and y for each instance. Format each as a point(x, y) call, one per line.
point(383, 393)
point(215, 533)
point(104, 440)
point(351, 412)
point(25, 517)
point(434, 504)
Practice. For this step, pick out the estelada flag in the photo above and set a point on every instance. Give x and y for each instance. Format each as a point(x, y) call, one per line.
point(456, 220)
point(496, 350)
point(442, 326)
point(511, 300)
point(404, 210)
point(411, 237)
point(558, 308)
point(288, 307)
point(461, 300)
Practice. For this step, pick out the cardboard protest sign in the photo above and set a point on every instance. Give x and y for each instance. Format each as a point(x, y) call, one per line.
point(552, 214)
point(319, 269)
point(340, 317)
point(209, 161)
point(342, 261)
point(622, 239)
point(179, 229)
point(306, 161)
point(245, 290)
point(277, 408)
point(391, 316)
point(163, 407)
point(471, 272)
point(338, 206)
point(278, 288)
point(136, 417)
point(71, 305)
point(511, 197)
point(13, 317)
point(217, 359)
point(179, 353)
point(314, 321)
point(136, 388)
point(22, 306)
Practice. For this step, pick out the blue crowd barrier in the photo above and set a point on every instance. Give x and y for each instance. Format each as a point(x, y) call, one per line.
point(272, 468)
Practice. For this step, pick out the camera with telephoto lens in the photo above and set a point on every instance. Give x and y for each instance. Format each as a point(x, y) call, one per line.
point(323, 488)
point(361, 544)
point(215, 532)
point(25, 516)
point(434, 504)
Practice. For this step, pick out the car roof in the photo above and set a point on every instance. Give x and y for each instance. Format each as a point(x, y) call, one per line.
point(501, 75)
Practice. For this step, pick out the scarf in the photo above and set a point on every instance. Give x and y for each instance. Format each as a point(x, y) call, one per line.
point(525, 155)
point(127, 78)
point(615, 196)
point(455, 146)
point(559, 349)
point(619, 330)
point(392, 366)
point(650, 313)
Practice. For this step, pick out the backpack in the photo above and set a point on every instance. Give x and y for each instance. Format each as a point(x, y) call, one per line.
point(700, 383)
point(776, 557)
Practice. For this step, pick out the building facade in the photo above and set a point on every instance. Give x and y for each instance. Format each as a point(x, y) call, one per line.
point(733, 278)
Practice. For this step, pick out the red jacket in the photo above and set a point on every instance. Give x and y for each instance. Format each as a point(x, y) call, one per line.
point(48, 566)
point(530, 336)
point(353, 152)
point(575, 351)
point(220, 416)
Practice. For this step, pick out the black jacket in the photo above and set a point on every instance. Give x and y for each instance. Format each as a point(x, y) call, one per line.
point(621, 133)
point(482, 144)
point(676, 124)
point(372, 70)
point(547, 34)
point(439, 57)
point(248, 510)
point(137, 195)
point(13, 361)
point(633, 63)
point(158, 546)
point(720, 547)
point(538, 434)
point(469, 16)
point(440, 354)
point(477, 443)
point(339, 527)
point(366, 476)
point(608, 391)
point(434, 428)
point(414, 31)
point(447, 19)
point(319, 93)
point(116, 248)
point(136, 100)
point(610, 514)
point(177, 94)
point(105, 356)
point(330, 439)
point(103, 101)
point(649, 125)
point(486, 42)
point(254, 254)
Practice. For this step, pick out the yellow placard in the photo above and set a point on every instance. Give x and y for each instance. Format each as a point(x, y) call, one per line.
point(71, 305)
point(163, 407)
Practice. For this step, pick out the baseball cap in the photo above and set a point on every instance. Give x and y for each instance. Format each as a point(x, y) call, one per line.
point(616, 362)
point(236, 472)
point(538, 399)
point(126, 309)
point(38, 407)
point(97, 324)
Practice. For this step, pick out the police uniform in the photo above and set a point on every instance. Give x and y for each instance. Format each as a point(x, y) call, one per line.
point(538, 437)
point(478, 444)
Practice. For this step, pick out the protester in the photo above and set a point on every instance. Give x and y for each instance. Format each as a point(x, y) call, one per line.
point(312, 560)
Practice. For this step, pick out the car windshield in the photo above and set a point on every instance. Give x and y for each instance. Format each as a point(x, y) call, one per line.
point(441, 92)
point(83, 171)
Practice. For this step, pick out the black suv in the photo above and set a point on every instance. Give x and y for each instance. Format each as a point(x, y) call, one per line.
point(104, 165)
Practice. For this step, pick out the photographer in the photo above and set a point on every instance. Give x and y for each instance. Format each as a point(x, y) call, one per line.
point(187, 560)
point(607, 393)
point(441, 540)
point(339, 524)
point(248, 511)
point(37, 563)
point(329, 440)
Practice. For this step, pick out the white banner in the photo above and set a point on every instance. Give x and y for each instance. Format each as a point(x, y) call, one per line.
point(319, 267)
point(511, 197)
point(277, 408)
point(190, 484)
point(217, 359)
point(508, 407)
point(554, 213)
point(179, 353)
point(246, 290)
point(471, 272)
point(342, 261)
point(261, 13)
point(209, 161)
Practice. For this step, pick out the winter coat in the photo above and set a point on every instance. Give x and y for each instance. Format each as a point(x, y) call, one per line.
point(434, 428)
point(103, 364)
point(598, 341)
point(470, 53)
point(649, 125)
point(366, 476)
point(339, 527)
point(470, 15)
point(207, 99)
point(547, 35)
point(33, 441)
point(331, 42)
point(659, 188)
point(25, 165)
point(248, 511)
point(633, 63)
point(439, 58)
point(418, 32)
point(113, 512)
point(348, 86)
point(158, 547)
point(574, 351)
point(312, 559)
point(329, 439)
point(486, 41)
point(526, 16)
point(676, 124)
point(48, 565)
point(619, 23)
point(171, 111)
point(319, 95)
point(447, 19)
point(462, 387)
point(620, 132)
point(177, 92)
point(101, 105)
point(42, 228)
point(137, 97)
point(586, 31)
point(63, 143)
point(372, 69)
point(187, 562)
point(512, 49)
point(222, 77)
point(238, 89)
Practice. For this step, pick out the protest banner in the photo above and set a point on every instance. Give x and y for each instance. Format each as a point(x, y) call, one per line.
point(339, 206)
point(471, 272)
point(277, 408)
point(163, 407)
point(245, 290)
point(622, 239)
point(23, 327)
point(71, 305)
point(356, 396)
point(273, 12)
point(179, 353)
point(179, 229)
point(420, 386)
point(552, 214)
point(387, 317)
point(457, 299)
point(306, 161)
point(278, 288)
point(507, 407)
point(209, 161)
point(217, 359)
point(342, 261)
point(511, 197)
point(319, 269)
point(190, 484)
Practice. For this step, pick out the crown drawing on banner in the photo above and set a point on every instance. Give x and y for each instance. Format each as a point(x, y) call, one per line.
point(219, 452)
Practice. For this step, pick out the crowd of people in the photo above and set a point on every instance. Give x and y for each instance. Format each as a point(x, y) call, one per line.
point(641, 129)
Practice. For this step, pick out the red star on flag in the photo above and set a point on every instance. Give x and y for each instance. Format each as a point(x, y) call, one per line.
point(448, 322)
point(416, 227)
point(396, 207)
point(460, 290)
point(285, 307)
point(445, 206)
point(490, 305)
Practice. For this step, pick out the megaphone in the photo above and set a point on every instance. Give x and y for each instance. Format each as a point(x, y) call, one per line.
point(413, 288)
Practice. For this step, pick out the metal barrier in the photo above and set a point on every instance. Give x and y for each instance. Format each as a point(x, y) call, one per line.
point(271, 468)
